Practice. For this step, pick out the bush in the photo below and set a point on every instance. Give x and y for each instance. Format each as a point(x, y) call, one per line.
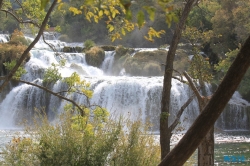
point(12, 50)
point(98, 144)
point(88, 44)
point(17, 38)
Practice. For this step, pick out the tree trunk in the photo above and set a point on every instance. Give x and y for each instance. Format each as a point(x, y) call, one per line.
point(206, 150)
point(165, 101)
point(205, 121)
point(206, 147)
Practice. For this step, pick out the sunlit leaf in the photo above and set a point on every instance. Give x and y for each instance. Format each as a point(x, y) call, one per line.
point(75, 10)
point(100, 13)
point(123, 31)
point(110, 27)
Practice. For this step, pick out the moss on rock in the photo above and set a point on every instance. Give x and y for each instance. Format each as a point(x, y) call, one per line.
point(122, 51)
point(95, 56)
point(108, 48)
point(146, 63)
point(12, 50)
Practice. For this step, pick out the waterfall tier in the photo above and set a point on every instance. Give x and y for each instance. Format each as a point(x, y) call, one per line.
point(132, 96)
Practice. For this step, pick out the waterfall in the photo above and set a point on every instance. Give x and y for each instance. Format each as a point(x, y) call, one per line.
point(129, 96)
point(108, 62)
point(4, 38)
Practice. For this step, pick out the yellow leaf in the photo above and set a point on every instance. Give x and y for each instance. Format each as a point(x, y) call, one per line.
point(100, 13)
point(106, 12)
point(113, 14)
point(96, 19)
point(123, 31)
point(75, 10)
point(110, 27)
point(60, 6)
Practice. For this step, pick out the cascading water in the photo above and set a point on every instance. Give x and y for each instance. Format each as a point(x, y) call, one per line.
point(4, 38)
point(133, 96)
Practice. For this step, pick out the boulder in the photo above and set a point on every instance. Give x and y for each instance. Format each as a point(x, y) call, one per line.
point(95, 56)
point(146, 63)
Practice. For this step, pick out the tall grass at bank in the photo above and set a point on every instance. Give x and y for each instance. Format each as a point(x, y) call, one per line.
point(62, 144)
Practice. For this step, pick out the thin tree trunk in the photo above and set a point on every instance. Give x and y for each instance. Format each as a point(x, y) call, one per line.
point(206, 147)
point(205, 121)
point(165, 134)
point(206, 150)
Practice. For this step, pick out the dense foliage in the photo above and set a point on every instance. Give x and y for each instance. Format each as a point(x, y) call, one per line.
point(91, 140)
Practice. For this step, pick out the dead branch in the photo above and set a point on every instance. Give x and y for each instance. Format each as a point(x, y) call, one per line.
point(192, 86)
point(182, 109)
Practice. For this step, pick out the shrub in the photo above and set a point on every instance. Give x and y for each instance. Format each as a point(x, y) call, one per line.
point(17, 38)
point(88, 44)
point(10, 52)
point(97, 143)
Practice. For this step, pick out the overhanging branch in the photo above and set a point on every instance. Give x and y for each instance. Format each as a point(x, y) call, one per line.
point(55, 94)
point(26, 52)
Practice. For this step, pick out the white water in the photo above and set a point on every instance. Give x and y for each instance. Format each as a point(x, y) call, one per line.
point(4, 38)
point(133, 96)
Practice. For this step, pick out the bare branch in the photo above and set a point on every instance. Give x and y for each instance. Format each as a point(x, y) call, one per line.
point(18, 20)
point(179, 79)
point(26, 52)
point(178, 116)
point(50, 45)
point(192, 86)
point(19, 3)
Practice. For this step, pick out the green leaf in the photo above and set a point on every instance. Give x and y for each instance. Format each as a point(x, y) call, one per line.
point(44, 4)
point(151, 12)
point(140, 18)
point(128, 14)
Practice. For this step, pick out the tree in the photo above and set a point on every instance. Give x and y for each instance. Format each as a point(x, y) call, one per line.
point(193, 137)
point(206, 147)
point(165, 133)
point(200, 71)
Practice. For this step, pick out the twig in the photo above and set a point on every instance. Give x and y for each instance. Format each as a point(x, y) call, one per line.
point(182, 109)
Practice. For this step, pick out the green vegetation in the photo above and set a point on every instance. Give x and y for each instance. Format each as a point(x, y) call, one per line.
point(11, 51)
point(88, 44)
point(222, 68)
point(93, 139)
